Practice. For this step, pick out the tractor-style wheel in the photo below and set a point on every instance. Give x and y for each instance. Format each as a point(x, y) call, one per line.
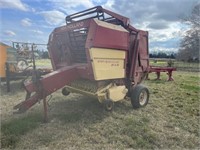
point(139, 96)
point(22, 64)
point(108, 104)
point(65, 92)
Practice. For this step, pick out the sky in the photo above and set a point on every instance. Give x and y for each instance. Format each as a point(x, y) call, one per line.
point(33, 20)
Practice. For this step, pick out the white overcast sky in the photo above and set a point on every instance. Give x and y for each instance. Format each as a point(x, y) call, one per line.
point(33, 20)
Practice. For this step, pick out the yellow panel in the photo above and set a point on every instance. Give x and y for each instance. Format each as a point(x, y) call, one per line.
point(106, 53)
point(107, 63)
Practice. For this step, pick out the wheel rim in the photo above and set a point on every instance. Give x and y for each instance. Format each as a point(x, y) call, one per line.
point(22, 65)
point(143, 98)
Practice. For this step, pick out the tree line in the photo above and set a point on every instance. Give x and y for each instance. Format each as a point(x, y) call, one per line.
point(163, 55)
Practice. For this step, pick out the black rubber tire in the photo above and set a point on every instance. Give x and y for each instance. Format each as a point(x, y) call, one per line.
point(108, 104)
point(65, 92)
point(139, 96)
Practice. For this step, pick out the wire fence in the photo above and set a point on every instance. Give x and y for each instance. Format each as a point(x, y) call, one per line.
point(179, 65)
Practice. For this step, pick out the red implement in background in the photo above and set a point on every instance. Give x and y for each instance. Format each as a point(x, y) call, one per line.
point(158, 70)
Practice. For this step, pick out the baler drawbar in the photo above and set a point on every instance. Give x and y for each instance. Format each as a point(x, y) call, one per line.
point(97, 53)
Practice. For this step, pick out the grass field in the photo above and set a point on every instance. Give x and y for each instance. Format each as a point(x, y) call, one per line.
point(43, 63)
point(169, 121)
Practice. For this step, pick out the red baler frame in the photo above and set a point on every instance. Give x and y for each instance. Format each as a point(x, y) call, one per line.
point(134, 42)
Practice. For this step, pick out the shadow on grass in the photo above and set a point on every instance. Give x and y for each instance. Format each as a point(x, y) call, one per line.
point(157, 81)
point(83, 109)
point(80, 109)
point(82, 112)
point(74, 112)
point(13, 129)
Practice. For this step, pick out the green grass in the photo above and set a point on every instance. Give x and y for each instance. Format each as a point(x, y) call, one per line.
point(190, 87)
point(43, 63)
point(169, 121)
point(139, 132)
point(12, 130)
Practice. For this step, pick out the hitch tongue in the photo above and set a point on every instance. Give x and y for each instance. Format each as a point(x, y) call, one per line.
point(28, 103)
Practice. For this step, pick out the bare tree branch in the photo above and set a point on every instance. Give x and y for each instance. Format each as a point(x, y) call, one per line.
point(189, 46)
